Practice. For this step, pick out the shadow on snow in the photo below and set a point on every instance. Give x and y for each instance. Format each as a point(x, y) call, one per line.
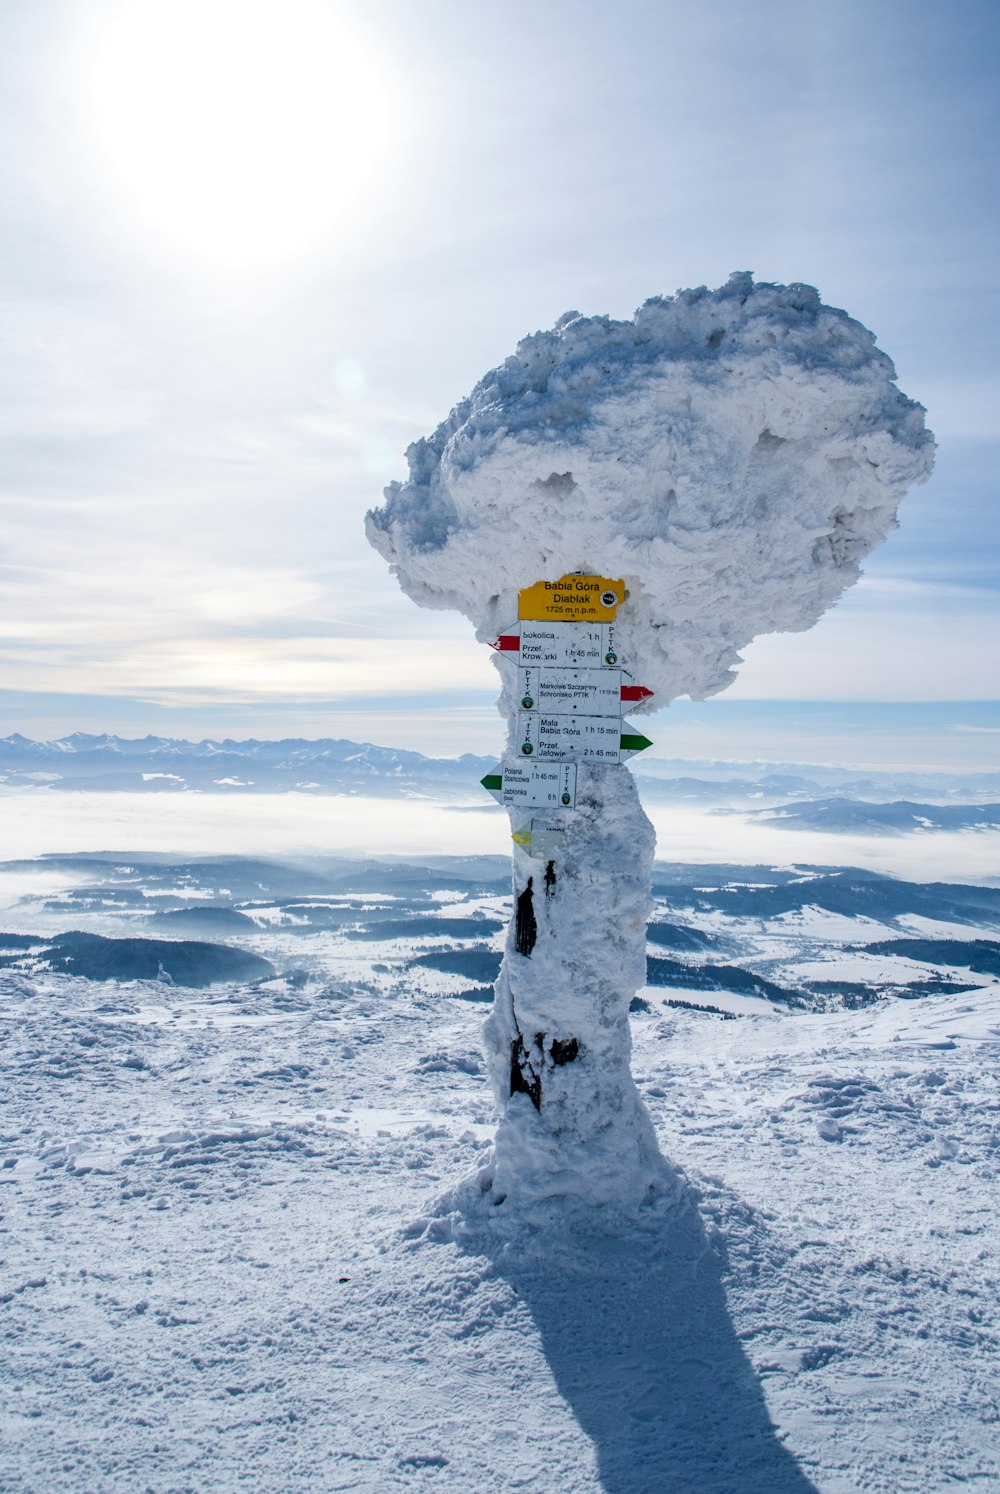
point(636, 1331)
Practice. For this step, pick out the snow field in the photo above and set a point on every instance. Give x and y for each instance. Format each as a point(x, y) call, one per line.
point(187, 1176)
point(868, 1142)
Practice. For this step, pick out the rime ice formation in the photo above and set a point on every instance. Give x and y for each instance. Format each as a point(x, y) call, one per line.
point(560, 1019)
point(733, 454)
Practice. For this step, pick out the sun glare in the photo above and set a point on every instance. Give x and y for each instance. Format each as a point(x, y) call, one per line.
point(242, 131)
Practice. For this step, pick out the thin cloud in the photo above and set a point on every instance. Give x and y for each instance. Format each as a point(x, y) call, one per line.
point(68, 375)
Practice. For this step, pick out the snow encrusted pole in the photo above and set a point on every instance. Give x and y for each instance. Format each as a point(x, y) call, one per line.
point(732, 455)
point(558, 1040)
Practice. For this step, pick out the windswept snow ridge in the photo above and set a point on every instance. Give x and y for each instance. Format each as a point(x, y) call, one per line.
point(734, 454)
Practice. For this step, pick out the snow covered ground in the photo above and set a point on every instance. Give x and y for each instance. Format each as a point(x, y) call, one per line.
point(224, 1263)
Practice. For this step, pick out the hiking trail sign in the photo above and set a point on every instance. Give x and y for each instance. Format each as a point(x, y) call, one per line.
point(570, 691)
point(594, 739)
point(545, 785)
point(571, 599)
point(567, 645)
point(591, 692)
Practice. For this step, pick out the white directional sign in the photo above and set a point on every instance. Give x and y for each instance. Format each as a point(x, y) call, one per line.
point(579, 738)
point(566, 645)
point(570, 694)
point(563, 692)
point(542, 785)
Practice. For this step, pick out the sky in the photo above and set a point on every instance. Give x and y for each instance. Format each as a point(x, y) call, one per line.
point(252, 249)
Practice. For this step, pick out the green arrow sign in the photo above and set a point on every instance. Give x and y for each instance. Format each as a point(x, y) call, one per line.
point(634, 742)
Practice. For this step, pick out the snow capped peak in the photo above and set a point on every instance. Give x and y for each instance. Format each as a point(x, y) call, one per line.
point(81, 741)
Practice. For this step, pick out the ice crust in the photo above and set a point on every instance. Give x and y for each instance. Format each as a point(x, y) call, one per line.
point(592, 1140)
point(734, 454)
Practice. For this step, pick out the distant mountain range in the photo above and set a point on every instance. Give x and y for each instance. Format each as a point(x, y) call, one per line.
point(843, 816)
point(796, 796)
point(164, 764)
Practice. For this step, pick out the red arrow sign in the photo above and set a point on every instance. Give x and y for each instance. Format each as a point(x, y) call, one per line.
point(507, 643)
point(636, 692)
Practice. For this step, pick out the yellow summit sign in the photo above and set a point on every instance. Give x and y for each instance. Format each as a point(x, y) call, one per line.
point(571, 599)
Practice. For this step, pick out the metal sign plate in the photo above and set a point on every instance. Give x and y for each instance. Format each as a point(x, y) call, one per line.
point(565, 692)
point(578, 738)
point(564, 645)
point(572, 599)
point(538, 785)
point(547, 839)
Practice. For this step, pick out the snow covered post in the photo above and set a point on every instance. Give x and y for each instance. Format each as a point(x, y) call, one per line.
point(558, 1038)
point(731, 456)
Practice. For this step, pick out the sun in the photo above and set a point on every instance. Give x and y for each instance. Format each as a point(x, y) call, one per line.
point(242, 132)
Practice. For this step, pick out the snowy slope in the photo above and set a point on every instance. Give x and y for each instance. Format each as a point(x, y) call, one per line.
point(224, 1263)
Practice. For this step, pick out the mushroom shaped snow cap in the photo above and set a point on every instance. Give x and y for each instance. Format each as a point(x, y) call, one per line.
point(732, 454)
